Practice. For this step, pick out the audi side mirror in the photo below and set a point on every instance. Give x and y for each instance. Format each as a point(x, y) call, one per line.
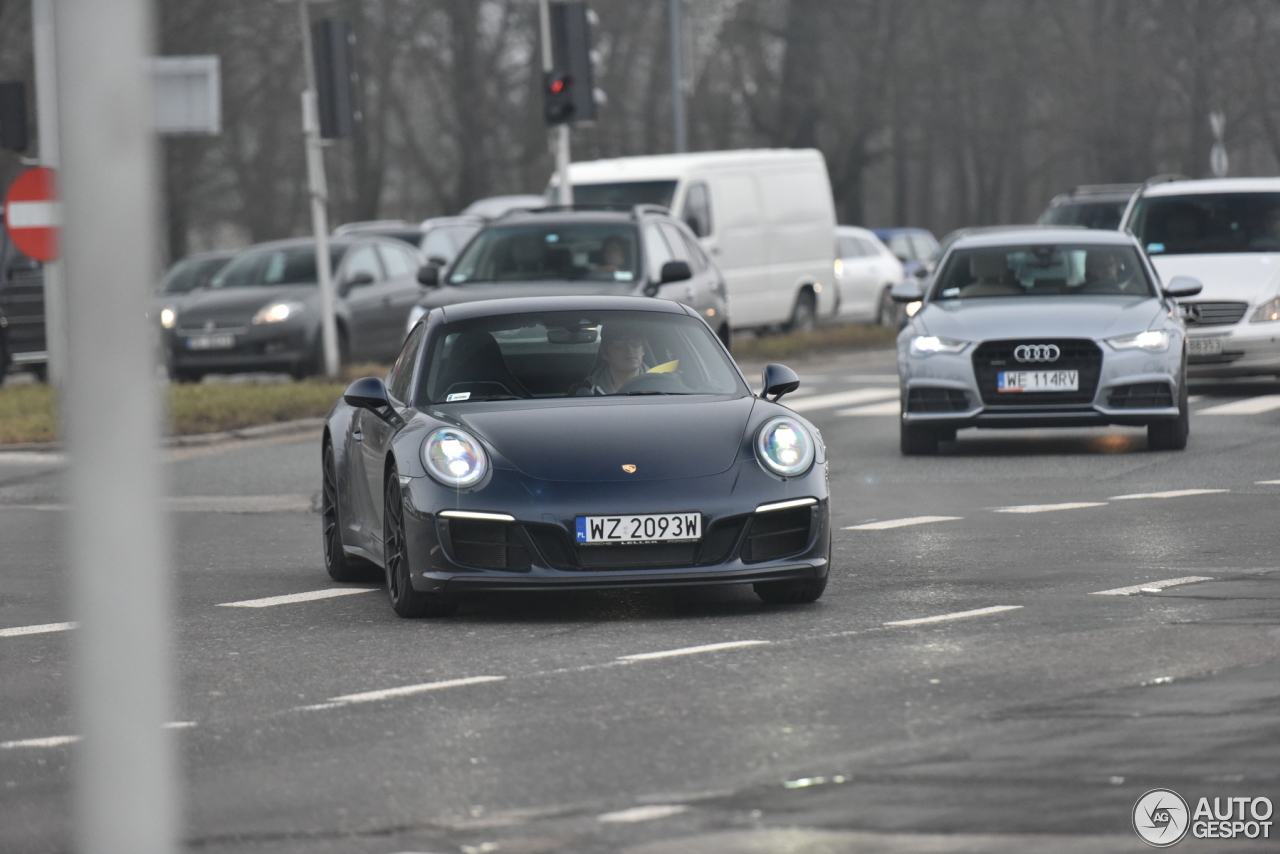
point(778, 380)
point(907, 291)
point(1183, 286)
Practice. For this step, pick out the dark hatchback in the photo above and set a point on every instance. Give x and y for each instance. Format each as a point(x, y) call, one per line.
point(261, 312)
point(22, 331)
point(504, 451)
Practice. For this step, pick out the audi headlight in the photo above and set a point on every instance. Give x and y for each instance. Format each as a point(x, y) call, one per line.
point(1153, 341)
point(927, 345)
point(784, 447)
point(278, 311)
point(454, 458)
point(1267, 312)
point(168, 318)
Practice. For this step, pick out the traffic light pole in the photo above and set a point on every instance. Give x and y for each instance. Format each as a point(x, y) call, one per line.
point(560, 141)
point(46, 74)
point(319, 201)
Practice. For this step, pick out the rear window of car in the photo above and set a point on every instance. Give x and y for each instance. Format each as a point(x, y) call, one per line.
point(1096, 214)
point(540, 252)
point(1208, 223)
point(1043, 270)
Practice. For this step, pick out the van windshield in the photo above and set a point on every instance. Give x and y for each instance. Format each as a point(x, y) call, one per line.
point(624, 194)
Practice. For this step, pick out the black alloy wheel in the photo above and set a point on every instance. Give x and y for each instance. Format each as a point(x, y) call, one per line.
point(405, 601)
point(915, 441)
point(1172, 435)
point(340, 565)
point(804, 317)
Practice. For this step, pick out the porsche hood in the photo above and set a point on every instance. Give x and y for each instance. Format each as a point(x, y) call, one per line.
point(672, 438)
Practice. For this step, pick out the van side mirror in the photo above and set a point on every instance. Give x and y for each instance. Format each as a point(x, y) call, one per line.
point(778, 380)
point(675, 271)
point(1183, 286)
point(429, 275)
point(907, 291)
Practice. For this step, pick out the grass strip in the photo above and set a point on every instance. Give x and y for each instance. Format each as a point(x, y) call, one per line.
point(853, 336)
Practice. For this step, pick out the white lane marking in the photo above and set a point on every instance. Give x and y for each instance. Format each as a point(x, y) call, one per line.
point(1046, 508)
point(37, 630)
point(1267, 482)
point(52, 741)
point(408, 690)
point(647, 813)
point(1173, 493)
point(690, 650)
point(843, 398)
point(1195, 398)
point(179, 724)
point(1151, 586)
point(29, 457)
point(889, 407)
point(271, 601)
point(902, 523)
point(1248, 406)
point(959, 615)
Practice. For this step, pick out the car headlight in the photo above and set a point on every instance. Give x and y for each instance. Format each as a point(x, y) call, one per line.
point(784, 447)
point(278, 311)
point(1153, 340)
point(927, 345)
point(1267, 312)
point(168, 318)
point(454, 458)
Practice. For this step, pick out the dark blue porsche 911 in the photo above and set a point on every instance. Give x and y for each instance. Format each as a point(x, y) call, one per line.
point(571, 443)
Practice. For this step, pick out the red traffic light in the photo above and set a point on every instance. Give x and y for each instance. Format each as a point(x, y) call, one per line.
point(557, 86)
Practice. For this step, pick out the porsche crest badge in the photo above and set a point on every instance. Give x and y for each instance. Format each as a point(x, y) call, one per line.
point(629, 468)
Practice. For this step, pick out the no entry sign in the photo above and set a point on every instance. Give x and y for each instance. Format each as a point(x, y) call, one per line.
point(32, 213)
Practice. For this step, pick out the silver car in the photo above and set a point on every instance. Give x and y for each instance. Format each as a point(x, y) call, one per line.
point(1056, 328)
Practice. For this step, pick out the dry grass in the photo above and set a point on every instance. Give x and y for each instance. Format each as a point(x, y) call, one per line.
point(854, 336)
point(27, 414)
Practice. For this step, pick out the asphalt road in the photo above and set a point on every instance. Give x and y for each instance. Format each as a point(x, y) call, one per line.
point(1091, 669)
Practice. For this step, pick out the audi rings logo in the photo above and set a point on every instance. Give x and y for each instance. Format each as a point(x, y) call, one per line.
point(1160, 818)
point(1037, 353)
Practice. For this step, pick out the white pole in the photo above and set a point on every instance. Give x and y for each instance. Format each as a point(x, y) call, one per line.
point(46, 74)
point(319, 200)
point(560, 134)
point(126, 785)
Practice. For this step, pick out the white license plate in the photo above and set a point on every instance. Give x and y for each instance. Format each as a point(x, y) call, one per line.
point(1204, 346)
point(657, 528)
point(211, 342)
point(1038, 381)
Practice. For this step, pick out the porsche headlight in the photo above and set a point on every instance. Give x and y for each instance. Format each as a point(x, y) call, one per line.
point(1153, 341)
point(1267, 312)
point(784, 447)
point(927, 345)
point(454, 458)
point(168, 318)
point(278, 311)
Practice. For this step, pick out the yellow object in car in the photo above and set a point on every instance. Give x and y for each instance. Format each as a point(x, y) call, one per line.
point(665, 367)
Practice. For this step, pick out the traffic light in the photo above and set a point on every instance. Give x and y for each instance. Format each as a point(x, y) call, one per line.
point(331, 40)
point(13, 116)
point(569, 89)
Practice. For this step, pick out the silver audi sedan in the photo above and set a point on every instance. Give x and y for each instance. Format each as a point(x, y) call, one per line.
point(1051, 328)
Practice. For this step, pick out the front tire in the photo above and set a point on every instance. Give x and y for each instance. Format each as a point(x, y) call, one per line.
point(916, 441)
point(405, 601)
point(804, 317)
point(340, 566)
point(790, 592)
point(1172, 435)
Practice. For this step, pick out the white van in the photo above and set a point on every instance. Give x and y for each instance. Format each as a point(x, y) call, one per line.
point(764, 216)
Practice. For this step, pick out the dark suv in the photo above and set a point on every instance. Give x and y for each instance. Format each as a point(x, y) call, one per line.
point(1090, 205)
point(22, 341)
point(566, 251)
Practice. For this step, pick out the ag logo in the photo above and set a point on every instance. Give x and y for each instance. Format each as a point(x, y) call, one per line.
point(1160, 818)
point(629, 468)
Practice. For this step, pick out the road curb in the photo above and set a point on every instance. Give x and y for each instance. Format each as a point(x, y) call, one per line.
point(258, 431)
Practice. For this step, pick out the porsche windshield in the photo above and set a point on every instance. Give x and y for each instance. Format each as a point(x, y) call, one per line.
point(600, 251)
point(1040, 270)
point(576, 354)
point(1208, 223)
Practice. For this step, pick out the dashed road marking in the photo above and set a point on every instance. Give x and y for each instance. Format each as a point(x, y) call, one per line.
point(1173, 493)
point(1267, 482)
point(645, 813)
point(959, 615)
point(37, 630)
point(1151, 586)
point(309, 596)
point(889, 407)
point(1248, 406)
point(902, 523)
point(843, 398)
point(52, 741)
point(1047, 508)
point(691, 650)
point(409, 690)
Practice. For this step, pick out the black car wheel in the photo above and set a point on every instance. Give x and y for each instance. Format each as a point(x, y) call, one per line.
point(791, 592)
point(405, 601)
point(804, 317)
point(1172, 435)
point(916, 441)
point(340, 566)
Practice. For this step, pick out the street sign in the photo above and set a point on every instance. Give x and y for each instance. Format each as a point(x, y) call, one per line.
point(32, 213)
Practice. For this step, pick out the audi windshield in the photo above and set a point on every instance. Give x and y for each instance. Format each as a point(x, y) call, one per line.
point(1043, 270)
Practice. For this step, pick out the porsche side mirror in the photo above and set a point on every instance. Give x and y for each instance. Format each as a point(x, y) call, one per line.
point(675, 271)
point(778, 380)
point(371, 393)
point(429, 275)
point(907, 291)
point(1183, 286)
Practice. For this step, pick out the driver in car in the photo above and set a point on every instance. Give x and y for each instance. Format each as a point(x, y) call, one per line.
point(621, 359)
point(1103, 273)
